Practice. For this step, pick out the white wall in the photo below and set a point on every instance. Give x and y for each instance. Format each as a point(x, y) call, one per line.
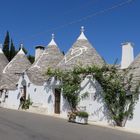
point(135, 122)
point(43, 98)
point(93, 102)
point(13, 99)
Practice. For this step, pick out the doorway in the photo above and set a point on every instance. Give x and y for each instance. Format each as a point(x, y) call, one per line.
point(57, 95)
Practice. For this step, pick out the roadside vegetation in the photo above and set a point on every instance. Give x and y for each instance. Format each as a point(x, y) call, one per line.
point(118, 94)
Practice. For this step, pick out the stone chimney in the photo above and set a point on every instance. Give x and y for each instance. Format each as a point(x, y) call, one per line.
point(38, 51)
point(127, 54)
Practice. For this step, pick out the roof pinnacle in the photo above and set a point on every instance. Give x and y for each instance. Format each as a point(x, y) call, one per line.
point(21, 49)
point(21, 46)
point(82, 35)
point(52, 41)
point(82, 29)
point(53, 36)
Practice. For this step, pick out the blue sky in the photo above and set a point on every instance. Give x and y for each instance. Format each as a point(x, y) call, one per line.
point(32, 22)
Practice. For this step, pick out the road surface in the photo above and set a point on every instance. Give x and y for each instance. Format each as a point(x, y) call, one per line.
point(17, 125)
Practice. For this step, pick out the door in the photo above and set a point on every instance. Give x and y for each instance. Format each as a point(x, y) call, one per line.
point(57, 101)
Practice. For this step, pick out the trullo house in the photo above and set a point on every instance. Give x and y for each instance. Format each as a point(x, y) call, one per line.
point(20, 77)
point(9, 82)
point(134, 69)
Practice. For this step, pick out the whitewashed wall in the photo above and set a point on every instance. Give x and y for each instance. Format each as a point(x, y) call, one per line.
point(41, 96)
point(93, 102)
point(64, 106)
point(44, 100)
point(13, 97)
point(135, 122)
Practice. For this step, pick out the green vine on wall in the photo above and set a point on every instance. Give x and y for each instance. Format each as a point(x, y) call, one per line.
point(119, 96)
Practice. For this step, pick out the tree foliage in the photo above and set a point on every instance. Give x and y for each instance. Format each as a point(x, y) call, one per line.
point(6, 46)
point(70, 85)
point(12, 52)
point(31, 58)
point(119, 97)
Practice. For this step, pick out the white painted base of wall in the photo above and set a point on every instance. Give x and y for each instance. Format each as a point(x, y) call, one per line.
point(135, 122)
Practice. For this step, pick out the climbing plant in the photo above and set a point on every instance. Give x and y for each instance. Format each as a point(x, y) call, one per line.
point(119, 97)
point(118, 94)
point(70, 83)
point(27, 103)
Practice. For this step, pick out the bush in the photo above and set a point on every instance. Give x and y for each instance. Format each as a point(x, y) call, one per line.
point(82, 114)
point(27, 104)
point(72, 116)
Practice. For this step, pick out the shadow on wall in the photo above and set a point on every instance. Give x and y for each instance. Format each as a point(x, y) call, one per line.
point(50, 99)
point(50, 84)
point(93, 84)
point(95, 104)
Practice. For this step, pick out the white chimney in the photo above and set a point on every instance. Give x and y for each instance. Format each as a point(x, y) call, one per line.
point(38, 51)
point(127, 54)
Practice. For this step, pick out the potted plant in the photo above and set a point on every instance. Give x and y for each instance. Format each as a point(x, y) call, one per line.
point(71, 116)
point(78, 117)
point(81, 117)
point(27, 103)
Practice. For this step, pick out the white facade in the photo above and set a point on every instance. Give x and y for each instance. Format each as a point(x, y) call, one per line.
point(93, 103)
point(43, 98)
point(11, 98)
point(135, 122)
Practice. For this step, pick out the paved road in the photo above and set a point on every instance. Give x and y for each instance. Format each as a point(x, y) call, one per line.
point(15, 125)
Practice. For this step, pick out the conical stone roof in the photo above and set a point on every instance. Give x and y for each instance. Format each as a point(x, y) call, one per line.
point(48, 59)
point(82, 53)
point(18, 64)
point(13, 70)
point(3, 60)
point(134, 69)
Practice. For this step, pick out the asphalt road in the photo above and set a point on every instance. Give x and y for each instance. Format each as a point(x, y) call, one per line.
point(16, 125)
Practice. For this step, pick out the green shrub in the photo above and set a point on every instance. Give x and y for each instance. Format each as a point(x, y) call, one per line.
point(82, 114)
point(27, 104)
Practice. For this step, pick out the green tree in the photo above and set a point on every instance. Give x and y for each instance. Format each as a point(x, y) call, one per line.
point(119, 94)
point(12, 50)
point(31, 58)
point(6, 46)
point(70, 83)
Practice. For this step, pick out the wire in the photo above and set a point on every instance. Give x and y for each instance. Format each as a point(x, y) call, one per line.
point(81, 7)
point(83, 18)
point(87, 17)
